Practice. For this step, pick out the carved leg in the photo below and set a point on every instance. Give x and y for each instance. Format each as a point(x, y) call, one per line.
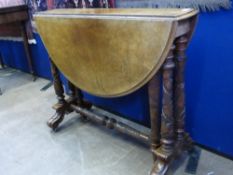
point(72, 96)
point(76, 97)
point(165, 152)
point(180, 57)
point(61, 106)
point(72, 89)
point(154, 102)
point(81, 102)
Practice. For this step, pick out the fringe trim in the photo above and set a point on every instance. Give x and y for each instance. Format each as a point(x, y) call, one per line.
point(203, 5)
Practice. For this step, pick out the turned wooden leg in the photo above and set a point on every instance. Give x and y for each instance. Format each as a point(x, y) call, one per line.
point(76, 97)
point(72, 96)
point(154, 103)
point(165, 152)
point(27, 49)
point(80, 100)
point(180, 58)
point(72, 89)
point(60, 107)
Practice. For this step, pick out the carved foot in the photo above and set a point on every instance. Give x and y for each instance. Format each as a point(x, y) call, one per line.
point(160, 167)
point(55, 120)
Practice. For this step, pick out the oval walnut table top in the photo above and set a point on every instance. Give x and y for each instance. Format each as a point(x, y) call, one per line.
point(110, 52)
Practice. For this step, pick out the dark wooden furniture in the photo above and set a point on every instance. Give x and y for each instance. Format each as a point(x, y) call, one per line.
point(13, 23)
point(114, 52)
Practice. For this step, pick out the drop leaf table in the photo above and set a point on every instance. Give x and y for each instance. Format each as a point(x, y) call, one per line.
point(112, 53)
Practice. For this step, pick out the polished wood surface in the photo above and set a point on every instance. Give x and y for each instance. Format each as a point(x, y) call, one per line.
point(119, 54)
point(134, 12)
